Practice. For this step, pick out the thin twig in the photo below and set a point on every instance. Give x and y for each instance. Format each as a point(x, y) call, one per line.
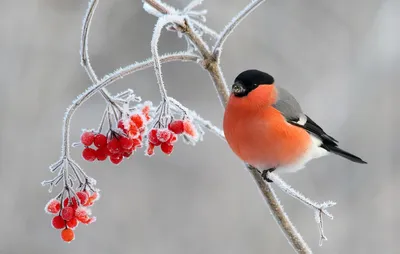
point(233, 24)
point(162, 21)
point(319, 208)
point(85, 61)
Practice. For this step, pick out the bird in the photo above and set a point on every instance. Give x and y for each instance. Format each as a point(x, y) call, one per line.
point(265, 126)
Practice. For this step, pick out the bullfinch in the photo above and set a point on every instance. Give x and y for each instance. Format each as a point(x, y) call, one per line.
point(265, 127)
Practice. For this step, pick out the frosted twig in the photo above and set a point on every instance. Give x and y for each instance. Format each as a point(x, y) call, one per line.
point(319, 208)
point(233, 24)
point(193, 4)
point(109, 79)
point(162, 21)
point(205, 28)
point(161, 7)
point(85, 61)
point(205, 123)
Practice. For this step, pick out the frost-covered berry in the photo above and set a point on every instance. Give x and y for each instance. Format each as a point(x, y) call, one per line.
point(133, 131)
point(83, 197)
point(116, 158)
point(163, 135)
point(92, 198)
point(189, 129)
point(114, 146)
point(53, 206)
point(136, 143)
point(89, 154)
point(172, 139)
point(100, 140)
point(67, 235)
point(152, 136)
point(72, 223)
point(87, 138)
point(126, 143)
point(67, 213)
point(176, 126)
point(167, 148)
point(146, 111)
point(137, 120)
point(150, 149)
point(73, 203)
point(58, 222)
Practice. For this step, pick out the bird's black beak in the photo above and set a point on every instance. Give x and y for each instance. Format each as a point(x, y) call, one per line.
point(238, 89)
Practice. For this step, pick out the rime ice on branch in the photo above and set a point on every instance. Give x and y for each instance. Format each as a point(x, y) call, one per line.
point(128, 125)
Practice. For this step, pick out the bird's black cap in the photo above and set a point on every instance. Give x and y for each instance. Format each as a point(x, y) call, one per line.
point(249, 80)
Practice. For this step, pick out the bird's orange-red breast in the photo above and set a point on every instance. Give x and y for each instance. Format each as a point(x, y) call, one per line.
point(265, 126)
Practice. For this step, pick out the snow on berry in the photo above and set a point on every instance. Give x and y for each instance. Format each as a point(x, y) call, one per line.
point(83, 197)
point(189, 128)
point(89, 154)
point(137, 120)
point(163, 135)
point(87, 138)
point(172, 139)
point(67, 235)
point(153, 139)
point(53, 206)
point(58, 222)
point(176, 126)
point(72, 204)
point(67, 213)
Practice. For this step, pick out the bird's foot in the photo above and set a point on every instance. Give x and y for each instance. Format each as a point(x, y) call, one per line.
point(264, 174)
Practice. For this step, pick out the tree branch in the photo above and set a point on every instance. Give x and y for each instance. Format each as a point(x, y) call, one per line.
point(212, 66)
point(233, 24)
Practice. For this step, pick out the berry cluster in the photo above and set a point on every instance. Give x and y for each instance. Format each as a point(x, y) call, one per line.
point(165, 138)
point(118, 143)
point(70, 213)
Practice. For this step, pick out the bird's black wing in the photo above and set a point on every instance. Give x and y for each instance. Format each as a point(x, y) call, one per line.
point(291, 110)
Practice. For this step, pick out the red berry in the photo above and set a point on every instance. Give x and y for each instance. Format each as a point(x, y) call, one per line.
point(100, 140)
point(121, 125)
point(176, 126)
point(133, 131)
point(83, 197)
point(116, 158)
point(172, 139)
point(87, 138)
point(146, 111)
point(72, 223)
point(58, 222)
point(92, 198)
point(136, 143)
point(67, 213)
point(150, 149)
point(163, 135)
point(53, 206)
point(73, 204)
point(127, 154)
point(189, 128)
point(81, 214)
point(68, 235)
point(89, 154)
point(114, 146)
point(152, 136)
point(126, 143)
point(167, 148)
point(101, 154)
point(137, 120)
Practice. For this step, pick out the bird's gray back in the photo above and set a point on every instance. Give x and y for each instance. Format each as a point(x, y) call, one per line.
point(287, 105)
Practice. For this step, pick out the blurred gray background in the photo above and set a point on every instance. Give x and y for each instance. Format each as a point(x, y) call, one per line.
point(339, 58)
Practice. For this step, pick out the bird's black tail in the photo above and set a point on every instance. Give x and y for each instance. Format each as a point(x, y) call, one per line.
point(336, 150)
